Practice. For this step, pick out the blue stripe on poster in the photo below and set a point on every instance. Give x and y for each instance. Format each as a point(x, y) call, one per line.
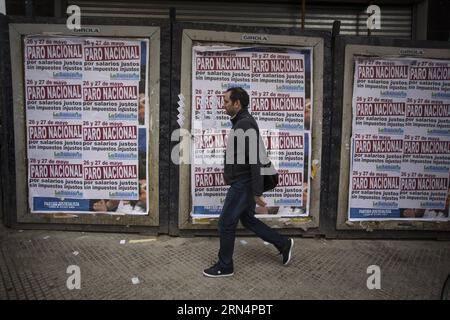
point(56, 204)
point(358, 213)
point(206, 210)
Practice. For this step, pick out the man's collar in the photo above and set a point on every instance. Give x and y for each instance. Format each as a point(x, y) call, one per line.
point(238, 115)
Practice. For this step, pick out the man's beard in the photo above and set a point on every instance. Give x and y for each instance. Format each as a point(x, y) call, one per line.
point(229, 113)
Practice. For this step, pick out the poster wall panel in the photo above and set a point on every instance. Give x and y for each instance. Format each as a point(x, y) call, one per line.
point(283, 75)
point(394, 163)
point(86, 124)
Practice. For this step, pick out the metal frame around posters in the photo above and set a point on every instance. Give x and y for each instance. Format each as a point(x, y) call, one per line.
point(349, 47)
point(103, 221)
point(205, 36)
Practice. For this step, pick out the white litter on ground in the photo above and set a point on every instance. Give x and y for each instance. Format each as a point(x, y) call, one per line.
point(75, 253)
point(122, 241)
point(141, 240)
point(135, 280)
point(244, 242)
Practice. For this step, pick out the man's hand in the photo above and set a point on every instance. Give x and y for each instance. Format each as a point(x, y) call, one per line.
point(260, 201)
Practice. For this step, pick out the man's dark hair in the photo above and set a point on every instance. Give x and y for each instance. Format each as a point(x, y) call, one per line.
point(237, 93)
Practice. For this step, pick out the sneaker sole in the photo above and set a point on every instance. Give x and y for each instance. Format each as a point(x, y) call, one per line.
point(290, 253)
point(218, 276)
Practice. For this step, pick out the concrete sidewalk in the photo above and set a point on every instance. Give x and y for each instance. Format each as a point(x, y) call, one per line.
point(33, 265)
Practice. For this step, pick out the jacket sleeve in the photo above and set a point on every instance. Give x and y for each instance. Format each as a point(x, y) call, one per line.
point(255, 168)
point(257, 179)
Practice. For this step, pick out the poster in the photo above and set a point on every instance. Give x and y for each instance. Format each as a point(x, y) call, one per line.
point(279, 83)
point(400, 145)
point(85, 120)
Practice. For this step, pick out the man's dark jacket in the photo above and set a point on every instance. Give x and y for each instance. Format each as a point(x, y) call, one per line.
point(251, 169)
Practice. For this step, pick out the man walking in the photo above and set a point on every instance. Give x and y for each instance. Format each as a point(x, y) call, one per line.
point(246, 187)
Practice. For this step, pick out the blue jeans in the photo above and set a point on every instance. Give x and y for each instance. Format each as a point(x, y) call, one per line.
point(240, 205)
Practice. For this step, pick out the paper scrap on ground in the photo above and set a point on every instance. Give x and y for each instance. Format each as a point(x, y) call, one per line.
point(135, 280)
point(314, 168)
point(46, 237)
point(243, 242)
point(122, 241)
point(75, 253)
point(141, 240)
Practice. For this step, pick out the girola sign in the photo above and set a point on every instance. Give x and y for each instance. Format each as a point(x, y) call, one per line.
point(254, 37)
